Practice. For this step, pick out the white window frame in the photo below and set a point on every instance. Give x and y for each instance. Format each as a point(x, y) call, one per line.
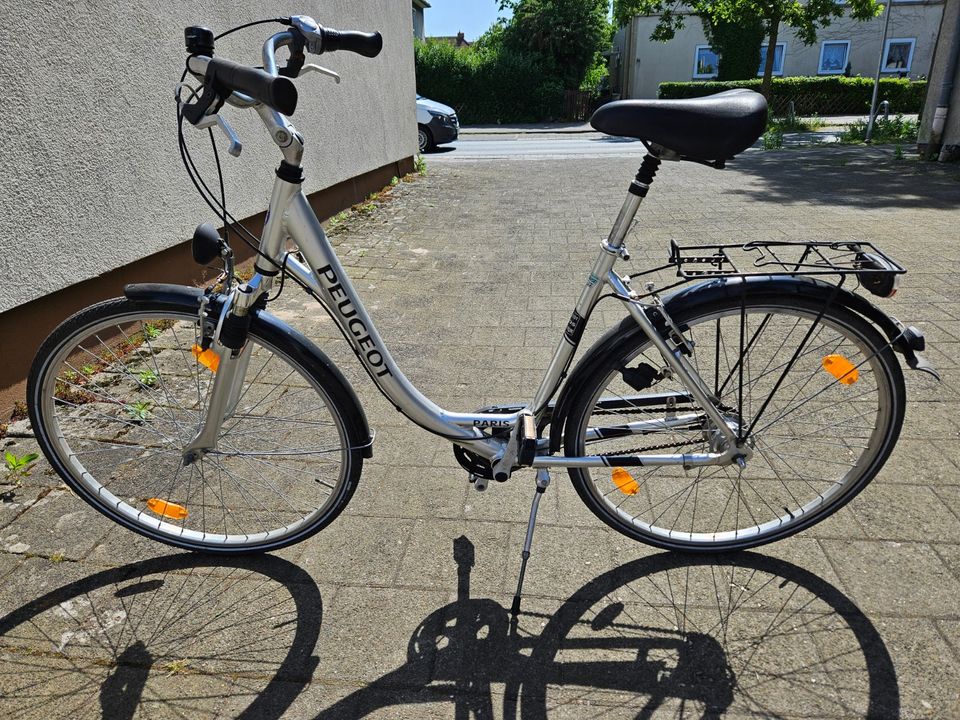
point(886, 50)
point(823, 46)
point(696, 57)
point(783, 59)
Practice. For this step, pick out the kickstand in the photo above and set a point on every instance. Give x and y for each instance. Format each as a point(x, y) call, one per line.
point(543, 480)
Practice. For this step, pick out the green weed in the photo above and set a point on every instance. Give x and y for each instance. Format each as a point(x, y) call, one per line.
point(139, 411)
point(18, 466)
point(895, 130)
point(795, 124)
point(772, 139)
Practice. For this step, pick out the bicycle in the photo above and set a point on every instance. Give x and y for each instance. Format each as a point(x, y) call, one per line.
point(730, 413)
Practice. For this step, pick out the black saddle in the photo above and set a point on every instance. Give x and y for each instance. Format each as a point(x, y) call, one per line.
point(709, 129)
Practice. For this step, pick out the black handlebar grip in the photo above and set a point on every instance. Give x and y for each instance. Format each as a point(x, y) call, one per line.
point(278, 92)
point(363, 43)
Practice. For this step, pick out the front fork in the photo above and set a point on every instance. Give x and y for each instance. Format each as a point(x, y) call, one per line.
point(230, 371)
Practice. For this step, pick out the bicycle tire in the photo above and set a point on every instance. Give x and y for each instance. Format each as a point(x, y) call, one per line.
point(856, 339)
point(130, 410)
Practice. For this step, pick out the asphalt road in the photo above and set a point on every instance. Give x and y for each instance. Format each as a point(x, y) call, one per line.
point(536, 146)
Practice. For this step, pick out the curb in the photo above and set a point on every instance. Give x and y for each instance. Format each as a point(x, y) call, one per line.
point(524, 131)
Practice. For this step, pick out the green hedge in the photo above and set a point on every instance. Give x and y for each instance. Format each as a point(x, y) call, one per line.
point(486, 86)
point(835, 95)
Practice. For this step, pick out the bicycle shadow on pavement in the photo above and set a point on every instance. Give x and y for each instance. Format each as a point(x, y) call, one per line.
point(669, 635)
point(181, 635)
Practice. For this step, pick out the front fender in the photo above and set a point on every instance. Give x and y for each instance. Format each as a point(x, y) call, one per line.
point(907, 341)
point(295, 344)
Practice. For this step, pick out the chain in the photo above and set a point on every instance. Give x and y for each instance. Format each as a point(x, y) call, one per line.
point(665, 446)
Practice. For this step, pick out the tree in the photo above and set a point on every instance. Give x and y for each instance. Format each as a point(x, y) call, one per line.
point(737, 44)
point(805, 18)
point(567, 34)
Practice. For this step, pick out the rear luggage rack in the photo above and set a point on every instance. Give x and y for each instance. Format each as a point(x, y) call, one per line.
point(697, 262)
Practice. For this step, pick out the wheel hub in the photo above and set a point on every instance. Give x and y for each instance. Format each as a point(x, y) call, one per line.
point(718, 443)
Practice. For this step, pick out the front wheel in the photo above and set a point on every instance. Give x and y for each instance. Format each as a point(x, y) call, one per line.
point(820, 398)
point(118, 391)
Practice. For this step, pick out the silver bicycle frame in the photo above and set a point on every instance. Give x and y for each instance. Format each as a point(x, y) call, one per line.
point(290, 215)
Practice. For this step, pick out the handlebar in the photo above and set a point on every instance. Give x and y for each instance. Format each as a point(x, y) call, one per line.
point(225, 80)
point(226, 77)
point(363, 43)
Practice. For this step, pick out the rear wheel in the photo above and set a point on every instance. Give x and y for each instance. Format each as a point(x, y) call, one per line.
point(116, 394)
point(832, 417)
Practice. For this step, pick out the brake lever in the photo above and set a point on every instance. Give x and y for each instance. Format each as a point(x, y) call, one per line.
point(208, 121)
point(322, 70)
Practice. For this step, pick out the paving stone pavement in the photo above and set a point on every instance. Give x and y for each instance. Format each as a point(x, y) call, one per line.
point(398, 609)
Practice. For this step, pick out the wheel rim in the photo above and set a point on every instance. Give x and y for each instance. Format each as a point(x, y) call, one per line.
point(118, 424)
point(784, 484)
point(423, 140)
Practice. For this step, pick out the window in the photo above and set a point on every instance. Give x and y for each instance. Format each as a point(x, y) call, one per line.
point(705, 62)
point(898, 55)
point(778, 54)
point(833, 57)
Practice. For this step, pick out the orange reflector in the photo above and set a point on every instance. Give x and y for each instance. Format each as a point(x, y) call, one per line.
point(167, 509)
point(625, 482)
point(208, 358)
point(841, 368)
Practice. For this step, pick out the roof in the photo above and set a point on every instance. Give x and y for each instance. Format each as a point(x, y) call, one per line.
point(456, 40)
point(421, 4)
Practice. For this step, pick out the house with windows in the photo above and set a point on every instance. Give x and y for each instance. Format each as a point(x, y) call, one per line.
point(418, 27)
point(846, 47)
point(458, 40)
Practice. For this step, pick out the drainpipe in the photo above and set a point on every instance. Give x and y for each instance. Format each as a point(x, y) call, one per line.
point(946, 90)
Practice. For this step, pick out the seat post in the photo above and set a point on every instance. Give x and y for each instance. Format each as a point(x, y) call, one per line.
point(637, 192)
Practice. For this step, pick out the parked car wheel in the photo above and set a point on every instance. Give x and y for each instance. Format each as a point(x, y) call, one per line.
point(424, 138)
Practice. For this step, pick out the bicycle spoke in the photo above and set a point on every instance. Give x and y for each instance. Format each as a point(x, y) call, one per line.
point(808, 446)
point(278, 464)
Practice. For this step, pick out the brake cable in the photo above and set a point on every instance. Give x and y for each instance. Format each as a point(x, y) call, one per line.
point(208, 196)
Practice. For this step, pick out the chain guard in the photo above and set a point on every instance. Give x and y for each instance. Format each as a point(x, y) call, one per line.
point(473, 463)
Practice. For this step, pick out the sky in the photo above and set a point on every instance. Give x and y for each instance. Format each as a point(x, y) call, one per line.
point(472, 17)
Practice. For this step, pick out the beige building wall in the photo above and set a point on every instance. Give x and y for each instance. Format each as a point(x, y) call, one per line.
point(655, 62)
point(92, 176)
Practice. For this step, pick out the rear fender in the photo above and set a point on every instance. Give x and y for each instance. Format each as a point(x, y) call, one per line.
point(907, 341)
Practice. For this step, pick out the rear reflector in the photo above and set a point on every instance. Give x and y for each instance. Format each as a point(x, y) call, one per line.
point(841, 368)
point(625, 482)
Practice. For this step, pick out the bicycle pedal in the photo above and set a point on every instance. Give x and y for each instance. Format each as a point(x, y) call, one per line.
point(479, 483)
